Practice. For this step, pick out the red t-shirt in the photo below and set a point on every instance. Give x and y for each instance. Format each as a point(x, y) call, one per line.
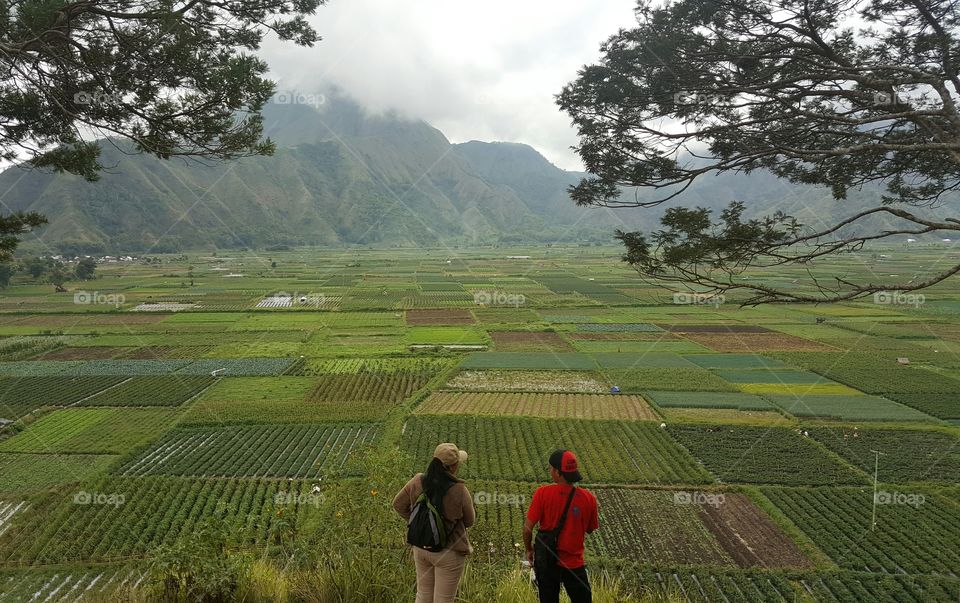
point(546, 508)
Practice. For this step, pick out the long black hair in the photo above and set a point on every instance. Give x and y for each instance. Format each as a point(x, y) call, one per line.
point(436, 480)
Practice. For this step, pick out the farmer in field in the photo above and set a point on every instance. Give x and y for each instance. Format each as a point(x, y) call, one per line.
point(438, 510)
point(564, 513)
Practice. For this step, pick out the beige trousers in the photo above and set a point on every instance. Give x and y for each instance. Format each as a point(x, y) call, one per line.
point(438, 575)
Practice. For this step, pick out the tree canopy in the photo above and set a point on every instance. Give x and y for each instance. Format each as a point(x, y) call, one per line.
point(837, 93)
point(177, 78)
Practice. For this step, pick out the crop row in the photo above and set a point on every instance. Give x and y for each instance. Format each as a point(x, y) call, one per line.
point(711, 585)
point(915, 532)
point(252, 451)
point(388, 387)
point(765, 455)
point(159, 390)
point(873, 374)
point(738, 401)
point(91, 430)
point(943, 406)
point(527, 381)
point(120, 367)
point(546, 405)
point(850, 408)
point(906, 455)
point(637, 327)
point(123, 517)
point(25, 473)
point(338, 366)
point(20, 396)
point(850, 587)
point(639, 380)
point(650, 526)
point(16, 348)
point(58, 586)
point(518, 448)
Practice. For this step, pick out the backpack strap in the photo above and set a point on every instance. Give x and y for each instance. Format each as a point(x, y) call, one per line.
point(566, 509)
point(436, 498)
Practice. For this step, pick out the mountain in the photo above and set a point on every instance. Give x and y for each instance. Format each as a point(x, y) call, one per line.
point(338, 177)
point(343, 177)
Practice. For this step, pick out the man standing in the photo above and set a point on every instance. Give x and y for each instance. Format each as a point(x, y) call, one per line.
point(574, 508)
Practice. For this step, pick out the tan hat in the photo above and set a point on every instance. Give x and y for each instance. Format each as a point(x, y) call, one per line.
point(449, 454)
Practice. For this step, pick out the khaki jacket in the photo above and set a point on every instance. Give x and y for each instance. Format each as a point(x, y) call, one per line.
point(458, 511)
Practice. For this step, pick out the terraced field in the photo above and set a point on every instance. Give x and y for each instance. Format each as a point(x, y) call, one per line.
point(733, 450)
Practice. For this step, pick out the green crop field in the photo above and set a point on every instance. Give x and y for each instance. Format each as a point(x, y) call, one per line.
point(91, 431)
point(915, 532)
point(764, 455)
point(732, 450)
point(934, 456)
point(514, 449)
point(251, 451)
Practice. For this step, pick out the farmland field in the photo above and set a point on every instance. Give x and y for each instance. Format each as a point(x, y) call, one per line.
point(558, 406)
point(732, 449)
point(764, 455)
point(251, 451)
point(912, 535)
point(527, 381)
point(514, 449)
point(91, 431)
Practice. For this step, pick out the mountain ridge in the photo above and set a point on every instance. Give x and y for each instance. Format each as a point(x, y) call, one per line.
point(343, 177)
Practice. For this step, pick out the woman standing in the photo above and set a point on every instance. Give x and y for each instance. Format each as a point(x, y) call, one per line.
point(438, 573)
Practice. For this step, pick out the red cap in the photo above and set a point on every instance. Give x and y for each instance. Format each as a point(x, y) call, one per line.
point(565, 462)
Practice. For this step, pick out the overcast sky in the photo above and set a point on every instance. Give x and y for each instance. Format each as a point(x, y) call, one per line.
point(475, 70)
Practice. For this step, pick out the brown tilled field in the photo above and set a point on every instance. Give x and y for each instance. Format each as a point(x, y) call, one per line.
point(167, 351)
point(545, 405)
point(451, 317)
point(746, 342)
point(749, 535)
point(523, 341)
point(91, 353)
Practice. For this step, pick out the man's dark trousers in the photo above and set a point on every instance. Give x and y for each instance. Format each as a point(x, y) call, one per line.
point(574, 580)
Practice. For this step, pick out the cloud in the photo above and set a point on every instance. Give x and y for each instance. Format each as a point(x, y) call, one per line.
point(484, 71)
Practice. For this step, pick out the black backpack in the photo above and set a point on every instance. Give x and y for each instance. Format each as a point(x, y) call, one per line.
point(425, 528)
